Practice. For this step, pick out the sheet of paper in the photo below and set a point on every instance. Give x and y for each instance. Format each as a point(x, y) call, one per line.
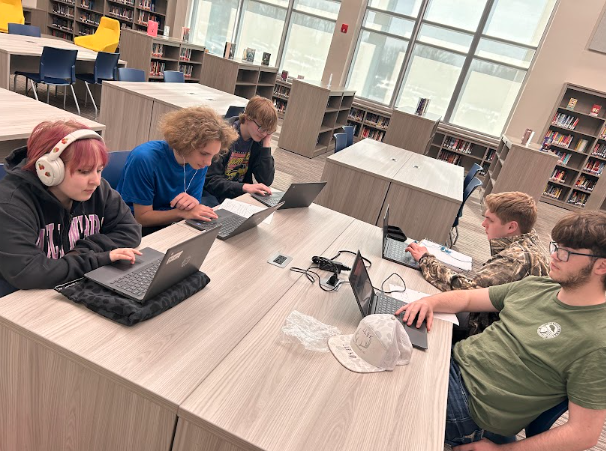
point(243, 209)
point(412, 296)
point(448, 256)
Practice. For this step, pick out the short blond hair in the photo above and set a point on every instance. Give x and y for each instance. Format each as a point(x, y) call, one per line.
point(263, 112)
point(513, 206)
point(190, 129)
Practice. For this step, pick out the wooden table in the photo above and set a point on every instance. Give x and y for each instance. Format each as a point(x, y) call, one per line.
point(21, 114)
point(424, 194)
point(136, 108)
point(271, 395)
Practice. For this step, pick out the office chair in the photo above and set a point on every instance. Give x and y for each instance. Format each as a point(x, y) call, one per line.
point(349, 131)
point(234, 111)
point(11, 11)
point(340, 141)
point(106, 68)
point(105, 39)
point(2, 171)
point(128, 74)
point(174, 76)
point(57, 68)
point(471, 174)
point(469, 189)
point(113, 171)
point(24, 30)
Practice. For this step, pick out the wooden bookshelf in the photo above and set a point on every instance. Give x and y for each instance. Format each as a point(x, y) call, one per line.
point(519, 168)
point(370, 121)
point(36, 17)
point(578, 138)
point(462, 147)
point(314, 114)
point(156, 54)
point(280, 96)
point(410, 131)
point(238, 77)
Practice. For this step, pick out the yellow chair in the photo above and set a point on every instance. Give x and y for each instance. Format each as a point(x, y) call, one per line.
point(105, 39)
point(10, 11)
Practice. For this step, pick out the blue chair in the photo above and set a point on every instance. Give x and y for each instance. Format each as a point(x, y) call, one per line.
point(106, 68)
point(469, 189)
point(113, 171)
point(24, 30)
point(174, 76)
point(2, 171)
point(471, 174)
point(340, 141)
point(234, 111)
point(57, 68)
point(128, 74)
point(349, 131)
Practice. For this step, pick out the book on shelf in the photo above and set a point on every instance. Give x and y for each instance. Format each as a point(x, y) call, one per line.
point(554, 191)
point(595, 109)
point(564, 156)
point(585, 183)
point(596, 167)
point(557, 138)
point(157, 50)
point(578, 198)
point(581, 145)
point(571, 104)
point(187, 70)
point(559, 175)
point(458, 145)
point(449, 157)
point(228, 51)
point(185, 54)
point(249, 55)
point(599, 150)
point(602, 134)
point(185, 34)
point(265, 59)
point(565, 121)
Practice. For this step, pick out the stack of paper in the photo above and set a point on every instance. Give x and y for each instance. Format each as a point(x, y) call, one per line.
point(448, 256)
point(243, 209)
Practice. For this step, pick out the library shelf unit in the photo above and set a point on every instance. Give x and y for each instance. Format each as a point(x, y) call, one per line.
point(519, 168)
point(462, 147)
point(280, 96)
point(70, 18)
point(410, 131)
point(370, 121)
point(156, 54)
point(316, 112)
point(238, 77)
point(36, 17)
point(578, 138)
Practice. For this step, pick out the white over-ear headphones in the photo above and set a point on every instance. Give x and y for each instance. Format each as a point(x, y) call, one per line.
point(50, 167)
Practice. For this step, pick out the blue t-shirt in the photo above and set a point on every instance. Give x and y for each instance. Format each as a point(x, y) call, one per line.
point(152, 176)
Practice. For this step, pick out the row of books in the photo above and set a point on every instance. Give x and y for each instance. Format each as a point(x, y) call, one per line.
point(356, 115)
point(91, 18)
point(559, 175)
point(585, 183)
point(581, 145)
point(145, 16)
point(84, 30)
point(63, 24)
point(458, 144)
point(60, 34)
point(187, 70)
point(596, 167)
point(557, 138)
point(185, 54)
point(377, 135)
point(490, 154)
point(121, 12)
point(157, 68)
point(125, 2)
point(87, 4)
point(449, 157)
point(376, 120)
point(599, 150)
point(150, 5)
point(578, 198)
point(565, 121)
point(564, 156)
point(553, 191)
point(602, 134)
point(63, 10)
point(280, 105)
point(283, 91)
point(157, 50)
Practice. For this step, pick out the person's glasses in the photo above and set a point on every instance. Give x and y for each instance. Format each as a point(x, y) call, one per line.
point(564, 254)
point(260, 129)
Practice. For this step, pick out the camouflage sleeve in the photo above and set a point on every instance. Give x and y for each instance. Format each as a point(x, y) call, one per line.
point(442, 277)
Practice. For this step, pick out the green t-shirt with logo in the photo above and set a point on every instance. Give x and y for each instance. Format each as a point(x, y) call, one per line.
point(540, 352)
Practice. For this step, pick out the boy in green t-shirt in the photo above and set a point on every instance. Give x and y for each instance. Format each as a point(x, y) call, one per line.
point(549, 345)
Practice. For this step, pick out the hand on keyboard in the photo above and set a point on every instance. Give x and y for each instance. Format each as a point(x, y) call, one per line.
point(256, 188)
point(124, 253)
point(201, 213)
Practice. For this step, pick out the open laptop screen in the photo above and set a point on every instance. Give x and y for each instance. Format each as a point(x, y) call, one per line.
point(361, 285)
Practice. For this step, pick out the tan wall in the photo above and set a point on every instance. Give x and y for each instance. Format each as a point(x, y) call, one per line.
point(563, 58)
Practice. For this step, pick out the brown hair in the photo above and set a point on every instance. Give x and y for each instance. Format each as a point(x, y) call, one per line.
point(513, 206)
point(263, 112)
point(192, 128)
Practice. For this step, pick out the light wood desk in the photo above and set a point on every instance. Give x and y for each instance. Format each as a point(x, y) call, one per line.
point(135, 108)
point(70, 379)
point(21, 114)
point(424, 194)
point(270, 395)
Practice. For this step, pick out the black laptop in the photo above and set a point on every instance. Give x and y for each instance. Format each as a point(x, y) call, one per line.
point(154, 272)
point(231, 223)
point(298, 195)
point(394, 249)
point(372, 303)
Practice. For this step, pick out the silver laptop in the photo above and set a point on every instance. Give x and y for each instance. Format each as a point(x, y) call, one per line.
point(298, 195)
point(372, 303)
point(395, 250)
point(154, 272)
point(231, 223)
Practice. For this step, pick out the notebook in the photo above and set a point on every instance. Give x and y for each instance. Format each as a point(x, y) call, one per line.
point(231, 223)
point(395, 250)
point(371, 303)
point(298, 195)
point(154, 272)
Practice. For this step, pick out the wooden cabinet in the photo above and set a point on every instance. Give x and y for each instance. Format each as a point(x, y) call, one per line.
point(576, 133)
point(315, 112)
point(154, 55)
point(410, 131)
point(370, 121)
point(519, 168)
point(238, 77)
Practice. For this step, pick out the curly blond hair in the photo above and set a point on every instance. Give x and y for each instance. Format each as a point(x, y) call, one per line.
point(192, 128)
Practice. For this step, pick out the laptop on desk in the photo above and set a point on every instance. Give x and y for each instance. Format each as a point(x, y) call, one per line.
point(394, 250)
point(231, 223)
point(154, 272)
point(371, 303)
point(298, 195)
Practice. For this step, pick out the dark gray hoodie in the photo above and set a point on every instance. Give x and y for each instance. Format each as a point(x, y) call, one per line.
point(42, 244)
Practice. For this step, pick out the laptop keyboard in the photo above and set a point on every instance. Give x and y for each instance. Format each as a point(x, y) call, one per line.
point(387, 304)
point(137, 282)
point(228, 224)
point(270, 201)
point(396, 250)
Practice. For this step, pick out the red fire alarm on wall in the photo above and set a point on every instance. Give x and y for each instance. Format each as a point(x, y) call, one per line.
point(344, 28)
